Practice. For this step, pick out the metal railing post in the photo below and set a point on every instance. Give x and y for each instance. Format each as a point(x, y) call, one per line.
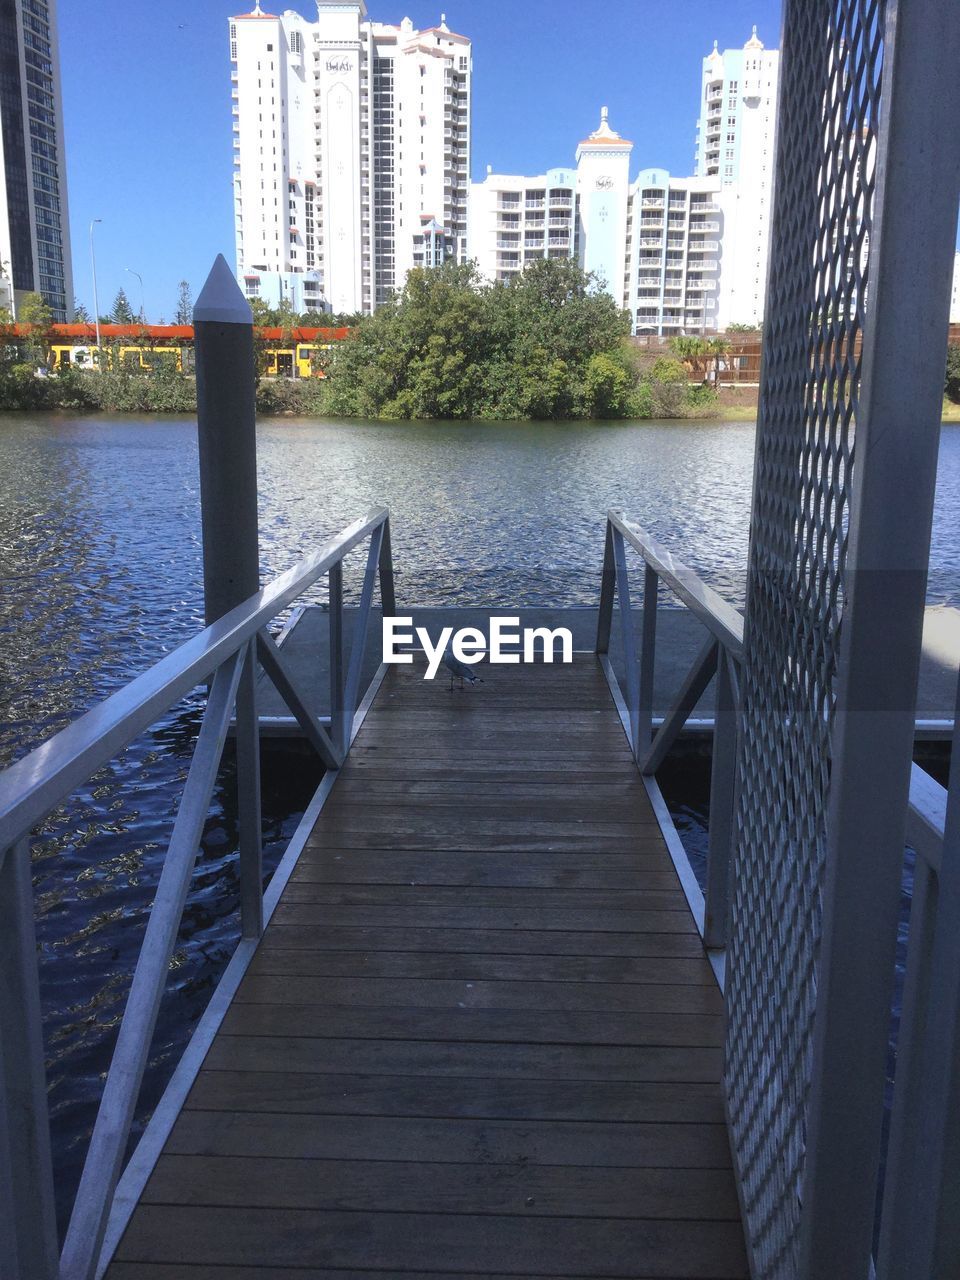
point(628, 639)
point(358, 643)
point(898, 435)
point(388, 597)
point(608, 586)
point(648, 648)
point(919, 1226)
point(335, 592)
point(28, 1231)
point(248, 797)
point(723, 772)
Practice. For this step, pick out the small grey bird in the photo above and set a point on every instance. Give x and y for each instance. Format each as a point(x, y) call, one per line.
point(458, 668)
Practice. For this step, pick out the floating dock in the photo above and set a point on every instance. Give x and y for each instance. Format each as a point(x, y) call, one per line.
point(479, 1035)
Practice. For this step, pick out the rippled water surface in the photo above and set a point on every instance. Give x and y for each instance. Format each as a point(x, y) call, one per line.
point(100, 545)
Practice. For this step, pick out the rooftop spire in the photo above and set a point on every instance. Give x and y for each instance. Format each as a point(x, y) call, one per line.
point(754, 42)
point(604, 134)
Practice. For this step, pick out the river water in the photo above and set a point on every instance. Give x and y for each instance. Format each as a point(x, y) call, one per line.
point(100, 546)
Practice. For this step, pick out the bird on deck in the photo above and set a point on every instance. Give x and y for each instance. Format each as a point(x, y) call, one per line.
point(458, 668)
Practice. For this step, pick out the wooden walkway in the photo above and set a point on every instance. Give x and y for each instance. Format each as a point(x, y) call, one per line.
point(479, 1037)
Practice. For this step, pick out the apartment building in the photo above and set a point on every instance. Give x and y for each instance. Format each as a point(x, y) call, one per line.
point(34, 228)
point(672, 259)
point(735, 142)
point(564, 213)
point(655, 244)
point(351, 153)
point(514, 220)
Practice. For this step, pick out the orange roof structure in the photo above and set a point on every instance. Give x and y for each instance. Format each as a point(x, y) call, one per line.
point(605, 136)
point(168, 332)
point(257, 13)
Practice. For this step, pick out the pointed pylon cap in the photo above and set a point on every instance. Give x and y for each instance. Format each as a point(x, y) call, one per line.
point(221, 300)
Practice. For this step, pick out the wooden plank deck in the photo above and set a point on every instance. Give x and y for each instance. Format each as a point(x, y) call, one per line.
point(479, 1037)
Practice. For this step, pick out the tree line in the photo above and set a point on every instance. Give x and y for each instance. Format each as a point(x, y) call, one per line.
point(547, 345)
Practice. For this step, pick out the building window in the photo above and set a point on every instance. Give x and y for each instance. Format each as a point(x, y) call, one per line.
point(296, 42)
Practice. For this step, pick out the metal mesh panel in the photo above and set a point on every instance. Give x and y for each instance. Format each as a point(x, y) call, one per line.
point(829, 101)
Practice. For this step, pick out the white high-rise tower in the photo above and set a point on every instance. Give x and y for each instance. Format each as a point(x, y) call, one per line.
point(735, 146)
point(351, 153)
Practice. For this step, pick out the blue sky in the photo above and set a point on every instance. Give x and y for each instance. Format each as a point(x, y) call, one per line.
point(146, 92)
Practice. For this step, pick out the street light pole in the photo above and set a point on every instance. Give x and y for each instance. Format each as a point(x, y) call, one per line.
point(143, 317)
point(96, 301)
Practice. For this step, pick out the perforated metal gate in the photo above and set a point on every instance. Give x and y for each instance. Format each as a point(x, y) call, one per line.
point(830, 99)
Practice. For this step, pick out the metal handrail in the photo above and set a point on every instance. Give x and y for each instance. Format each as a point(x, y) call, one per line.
point(35, 785)
point(716, 614)
point(926, 815)
point(720, 657)
point(225, 654)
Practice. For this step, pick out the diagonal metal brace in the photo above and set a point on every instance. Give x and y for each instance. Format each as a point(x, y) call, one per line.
point(275, 665)
point(691, 691)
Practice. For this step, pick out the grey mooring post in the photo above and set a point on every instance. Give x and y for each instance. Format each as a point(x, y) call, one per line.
point(227, 422)
point(227, 429)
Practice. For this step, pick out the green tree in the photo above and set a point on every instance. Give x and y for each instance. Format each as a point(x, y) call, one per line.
point(80, 313)
point(607, 387)
point(122, 312)
point(36, 318)
point(184, 311)
point(693, 352)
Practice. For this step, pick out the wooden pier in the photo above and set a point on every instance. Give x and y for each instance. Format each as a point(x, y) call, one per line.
point(479, 1036)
